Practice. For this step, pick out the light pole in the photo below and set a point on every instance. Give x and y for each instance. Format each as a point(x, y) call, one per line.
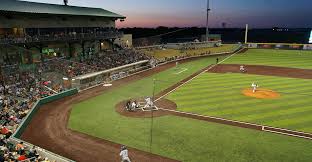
point(152, 115)
point(207, 21)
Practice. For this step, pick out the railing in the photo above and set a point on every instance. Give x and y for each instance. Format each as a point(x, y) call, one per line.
point(62, 38)
point(42, 152)
point(184, 57)
point(18, 133)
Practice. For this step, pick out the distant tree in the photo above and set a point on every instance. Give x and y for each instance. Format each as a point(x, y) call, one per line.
point(66, 2)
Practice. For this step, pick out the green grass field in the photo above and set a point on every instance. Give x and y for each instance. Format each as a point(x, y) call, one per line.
point(186, 139)
point(220, 94)
point(213, 95)
point(281, 58)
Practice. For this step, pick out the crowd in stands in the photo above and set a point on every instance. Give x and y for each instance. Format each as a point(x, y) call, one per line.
point(67, 68)
point(103, 61)
point(110, 60)
point(33, 36)
point(18, 92)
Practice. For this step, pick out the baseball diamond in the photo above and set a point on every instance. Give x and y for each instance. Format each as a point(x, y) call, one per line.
point(155, 83)
point(201, 93)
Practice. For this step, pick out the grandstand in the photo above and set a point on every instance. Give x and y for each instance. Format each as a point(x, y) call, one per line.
point(43, 46)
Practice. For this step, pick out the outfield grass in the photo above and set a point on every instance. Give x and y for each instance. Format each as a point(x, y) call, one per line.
point(181, 138)
point(173, 52)
point(281, 58)
point(220, 95)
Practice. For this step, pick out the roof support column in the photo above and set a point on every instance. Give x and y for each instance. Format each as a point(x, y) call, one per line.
point(83, 50)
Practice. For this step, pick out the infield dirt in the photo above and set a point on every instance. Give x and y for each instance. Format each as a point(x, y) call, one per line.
point(48, 129)
point(264, 70)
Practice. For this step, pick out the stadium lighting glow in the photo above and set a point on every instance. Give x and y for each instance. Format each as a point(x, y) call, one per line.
point(310, 39)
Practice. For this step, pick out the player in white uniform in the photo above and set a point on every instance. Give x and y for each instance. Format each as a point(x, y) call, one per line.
point(148, 103)
point(124, 154)
point(254, 87)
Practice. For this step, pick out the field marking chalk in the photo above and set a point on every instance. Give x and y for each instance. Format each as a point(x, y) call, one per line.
point(211, 117)
point(183, 70)
point(194, 77)
point(288, 134)
point(240, 122)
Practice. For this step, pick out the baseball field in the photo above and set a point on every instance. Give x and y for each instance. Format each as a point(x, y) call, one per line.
point(219, 94)
point(212, 91)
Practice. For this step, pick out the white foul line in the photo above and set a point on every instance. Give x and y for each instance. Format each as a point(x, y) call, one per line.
point(211, 117)
point(184, 69)
point(194, 77)
point(288, 134)
point(245, 123)
point(222, 119)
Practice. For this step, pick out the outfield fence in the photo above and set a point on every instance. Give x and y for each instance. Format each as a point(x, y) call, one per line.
point(286, 46)
point(239, 48)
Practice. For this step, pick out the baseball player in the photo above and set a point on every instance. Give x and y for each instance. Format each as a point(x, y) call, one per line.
point(124, 154)
point(148, 103)
point(242, 69)
point(254, 87)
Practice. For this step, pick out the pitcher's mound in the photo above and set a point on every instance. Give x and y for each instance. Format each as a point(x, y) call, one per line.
point(261, 93)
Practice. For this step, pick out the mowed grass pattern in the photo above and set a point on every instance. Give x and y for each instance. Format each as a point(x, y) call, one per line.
point(183, 139)
point(220, 94)
point(280, 58)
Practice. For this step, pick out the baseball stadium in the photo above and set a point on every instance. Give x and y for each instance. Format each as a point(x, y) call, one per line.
point(74, 88)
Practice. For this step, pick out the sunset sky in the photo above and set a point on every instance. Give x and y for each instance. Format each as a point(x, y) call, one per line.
point(187, 13)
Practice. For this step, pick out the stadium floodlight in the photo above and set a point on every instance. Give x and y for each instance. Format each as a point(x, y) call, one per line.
point(246, 34)
point(310, 39)
point(207, 21)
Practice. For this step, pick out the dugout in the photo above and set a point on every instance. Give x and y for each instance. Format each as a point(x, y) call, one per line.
point(88, 80)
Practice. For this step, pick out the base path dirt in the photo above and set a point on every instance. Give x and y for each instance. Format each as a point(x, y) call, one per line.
point(48, 129)
point(264, 70)
point(162, 103)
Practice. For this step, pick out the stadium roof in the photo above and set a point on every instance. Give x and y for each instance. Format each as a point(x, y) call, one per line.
point(45, 8)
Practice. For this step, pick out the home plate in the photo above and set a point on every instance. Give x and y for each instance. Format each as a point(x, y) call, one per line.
point(107, 85)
